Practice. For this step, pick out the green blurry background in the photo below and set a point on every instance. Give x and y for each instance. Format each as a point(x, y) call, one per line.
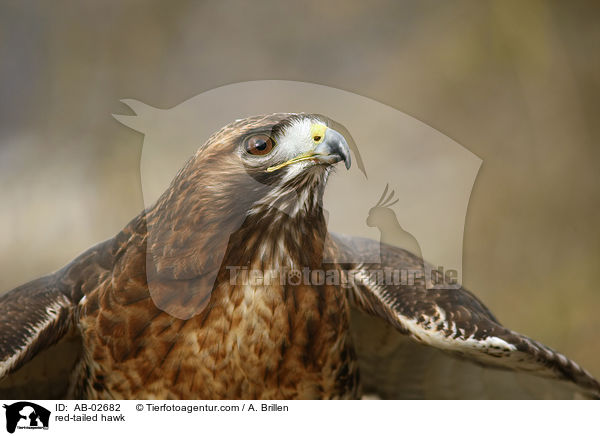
point(515, 82)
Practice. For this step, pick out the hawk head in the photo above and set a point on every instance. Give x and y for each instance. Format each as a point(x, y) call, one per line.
point(272, 149)
point(253, 183)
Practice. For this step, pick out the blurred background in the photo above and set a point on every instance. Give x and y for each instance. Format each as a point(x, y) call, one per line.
point(517, 83)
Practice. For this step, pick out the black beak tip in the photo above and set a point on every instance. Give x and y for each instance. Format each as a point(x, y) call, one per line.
point(347, 161)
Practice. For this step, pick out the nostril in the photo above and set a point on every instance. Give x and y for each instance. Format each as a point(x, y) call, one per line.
point(316, 138)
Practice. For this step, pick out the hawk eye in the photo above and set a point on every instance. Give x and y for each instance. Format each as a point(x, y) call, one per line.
point(259, 144)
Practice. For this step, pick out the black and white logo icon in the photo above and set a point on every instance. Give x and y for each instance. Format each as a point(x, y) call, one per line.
point(26, 415)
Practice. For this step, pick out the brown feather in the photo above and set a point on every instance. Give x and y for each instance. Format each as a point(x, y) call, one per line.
point(154, 313)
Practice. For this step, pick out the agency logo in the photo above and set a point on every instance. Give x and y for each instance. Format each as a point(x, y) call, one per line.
point(27, 416)
point(426, 179)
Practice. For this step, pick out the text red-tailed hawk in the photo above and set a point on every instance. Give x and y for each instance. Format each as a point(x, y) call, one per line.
point(219, 291)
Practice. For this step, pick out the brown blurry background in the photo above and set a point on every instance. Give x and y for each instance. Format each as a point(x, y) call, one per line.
point(517, 83)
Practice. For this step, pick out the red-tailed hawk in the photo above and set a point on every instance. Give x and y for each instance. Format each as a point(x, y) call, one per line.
point(189, 300)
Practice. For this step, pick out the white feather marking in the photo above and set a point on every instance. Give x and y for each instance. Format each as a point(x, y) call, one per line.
point(34, 330)
point(429, 333)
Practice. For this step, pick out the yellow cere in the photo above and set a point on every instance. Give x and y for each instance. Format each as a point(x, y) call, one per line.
point(317, 133)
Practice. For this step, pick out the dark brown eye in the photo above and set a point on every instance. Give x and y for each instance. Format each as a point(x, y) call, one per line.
point(259, 144)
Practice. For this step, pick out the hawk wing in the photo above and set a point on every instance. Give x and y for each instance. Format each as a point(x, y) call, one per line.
point(39, 341)
point(33, 318)
point(451, 345)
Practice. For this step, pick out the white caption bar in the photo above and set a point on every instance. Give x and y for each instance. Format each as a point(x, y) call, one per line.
point(152, 417)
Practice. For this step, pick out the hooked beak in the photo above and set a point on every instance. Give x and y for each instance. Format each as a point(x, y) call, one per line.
point(330, 149)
